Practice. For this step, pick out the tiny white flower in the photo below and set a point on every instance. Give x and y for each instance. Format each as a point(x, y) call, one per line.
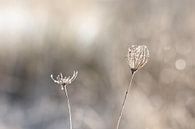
point(137, 57)
point(64, 81)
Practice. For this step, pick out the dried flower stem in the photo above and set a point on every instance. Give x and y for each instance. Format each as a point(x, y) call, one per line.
point(63, 82)
point(123, 104)
point(69, 107)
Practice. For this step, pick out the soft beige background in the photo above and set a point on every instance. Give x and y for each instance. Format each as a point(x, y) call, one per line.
point(40, 37)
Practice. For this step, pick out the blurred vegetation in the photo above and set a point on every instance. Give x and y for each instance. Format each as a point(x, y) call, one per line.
point(43, 37)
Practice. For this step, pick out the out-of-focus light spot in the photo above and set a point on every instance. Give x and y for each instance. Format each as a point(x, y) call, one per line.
point(86, 28)
point(180, 64)
point(13, 19)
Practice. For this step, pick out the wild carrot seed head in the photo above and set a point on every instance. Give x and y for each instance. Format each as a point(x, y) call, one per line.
point(137, 57)
point(64, 81)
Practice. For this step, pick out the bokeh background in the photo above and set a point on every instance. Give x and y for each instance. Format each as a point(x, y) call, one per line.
point(43, 37)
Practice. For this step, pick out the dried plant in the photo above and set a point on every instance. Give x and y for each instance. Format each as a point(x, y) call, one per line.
point(63, 82)
point(137, 58)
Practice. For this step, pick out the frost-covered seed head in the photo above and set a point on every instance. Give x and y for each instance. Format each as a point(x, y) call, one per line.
point(64, 81)
point(137, 57)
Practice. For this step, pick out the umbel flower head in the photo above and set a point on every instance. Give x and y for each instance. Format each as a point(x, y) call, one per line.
point(64, 81)
point(137, 57)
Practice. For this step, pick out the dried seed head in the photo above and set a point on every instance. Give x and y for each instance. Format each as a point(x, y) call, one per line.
point(137, 57)
point(64, 81)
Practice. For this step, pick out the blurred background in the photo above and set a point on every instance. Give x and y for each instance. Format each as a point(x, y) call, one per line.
point(43, 37)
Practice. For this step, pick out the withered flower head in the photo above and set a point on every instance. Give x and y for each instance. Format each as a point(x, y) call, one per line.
point(137, 57)
point(64, 81)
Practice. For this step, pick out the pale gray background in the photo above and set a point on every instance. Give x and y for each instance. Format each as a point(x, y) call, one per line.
point(40, 37)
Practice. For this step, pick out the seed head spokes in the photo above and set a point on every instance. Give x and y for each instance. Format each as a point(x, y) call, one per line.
point(137, 57)
point(63, 80)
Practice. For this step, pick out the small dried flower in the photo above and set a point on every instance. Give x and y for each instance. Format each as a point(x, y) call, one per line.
point(137, 57)
point(64, 81)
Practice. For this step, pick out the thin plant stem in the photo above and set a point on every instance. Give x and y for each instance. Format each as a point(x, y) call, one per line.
point(123, 104)
point(69, 107)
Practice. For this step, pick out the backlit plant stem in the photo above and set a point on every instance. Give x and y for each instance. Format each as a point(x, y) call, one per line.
point(69, 107)
point(123, 104)
point(63, 82)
